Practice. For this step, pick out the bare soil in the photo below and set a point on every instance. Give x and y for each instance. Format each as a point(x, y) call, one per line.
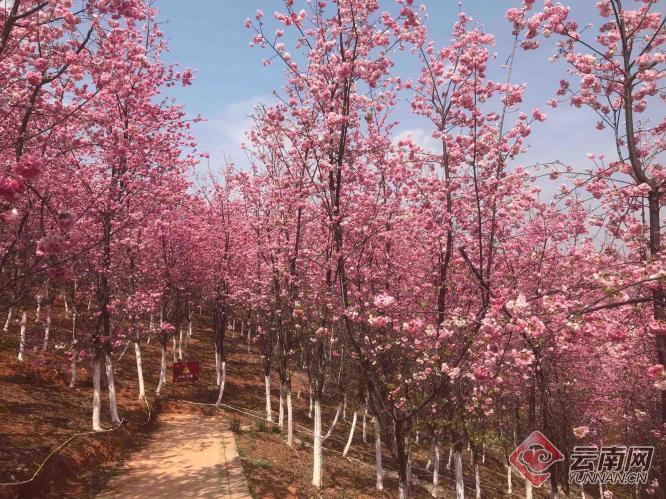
point(38, 411)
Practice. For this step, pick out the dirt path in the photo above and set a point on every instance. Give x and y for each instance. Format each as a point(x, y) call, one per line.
point(189, 456)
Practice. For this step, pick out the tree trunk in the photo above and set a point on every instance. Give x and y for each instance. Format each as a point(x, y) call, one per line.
point(139, 370)
point(290, 421)
point(47, 328)
point(477, 479)
point(281, 408)
point(224, 377)
point(24, 324)
point(378, 454)
point(75, 358)
point(528, 489)
point(163, 368)
point(218, 365)
point(9, 319)
point(269, 412)
point(310, 410)
point(431, 452)
point(75, 353)
point(448, 463)
point(151, 328)
point(174, 350)
point(344, 407)
point(351, 435)
point(180, 344)
point(38, 311)
point(97, 395)
point(457, 464)
point(112, 390)
point(404, 462)
point(509, 485)
point(435, 467)
point(365, 425)
point(335, 421)
point(317, 450)
point(66, 303)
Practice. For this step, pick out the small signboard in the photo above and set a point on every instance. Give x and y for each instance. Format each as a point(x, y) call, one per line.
point(185, 371)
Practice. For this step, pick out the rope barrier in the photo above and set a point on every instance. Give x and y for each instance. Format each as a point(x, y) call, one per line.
point(76, 435)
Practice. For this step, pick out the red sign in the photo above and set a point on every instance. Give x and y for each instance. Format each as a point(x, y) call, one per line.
point(534, 456)
point(185, 371)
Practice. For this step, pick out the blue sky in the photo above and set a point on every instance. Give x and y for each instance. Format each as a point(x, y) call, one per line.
point(209, 36)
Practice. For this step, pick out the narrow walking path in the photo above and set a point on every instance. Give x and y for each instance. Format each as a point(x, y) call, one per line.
point(189, 455)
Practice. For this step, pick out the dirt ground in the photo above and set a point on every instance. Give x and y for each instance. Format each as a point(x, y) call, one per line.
point(38, 411)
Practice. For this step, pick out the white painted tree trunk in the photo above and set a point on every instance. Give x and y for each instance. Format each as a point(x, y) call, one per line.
point(310, 411)
point(112, 390)
point(477, 479)
point(139, 370)
point(97, 395)
point(75, 358)
point(189, 327)
point(431, 453)
point(269, 412)
point(365, 426)
point(174, 350)
point(180, 344)
point(10, 313)
point(335, 421)
point(151, 328)
point(435, 468)
point(281, 409)
point(218, 366)
point(163, 368)
point(351, 434)
point(224, 378)
point(24, 324)
point(460, 484)
point(378, 455)
point(290, 421)
point(64, 300)
point(404, 488)
point(483, 453)
point(38, 311)
point(528, 489)
point(509, 484)
point(317, 450)
point(448, 463)
point(75, 353)
point(344, 407)
point(47, 328)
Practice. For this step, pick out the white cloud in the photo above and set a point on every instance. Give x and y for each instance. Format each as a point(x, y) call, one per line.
point(221, 135)
point(421, 137)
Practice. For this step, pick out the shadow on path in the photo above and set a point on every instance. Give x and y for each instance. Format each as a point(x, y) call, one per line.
point(189, 455)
